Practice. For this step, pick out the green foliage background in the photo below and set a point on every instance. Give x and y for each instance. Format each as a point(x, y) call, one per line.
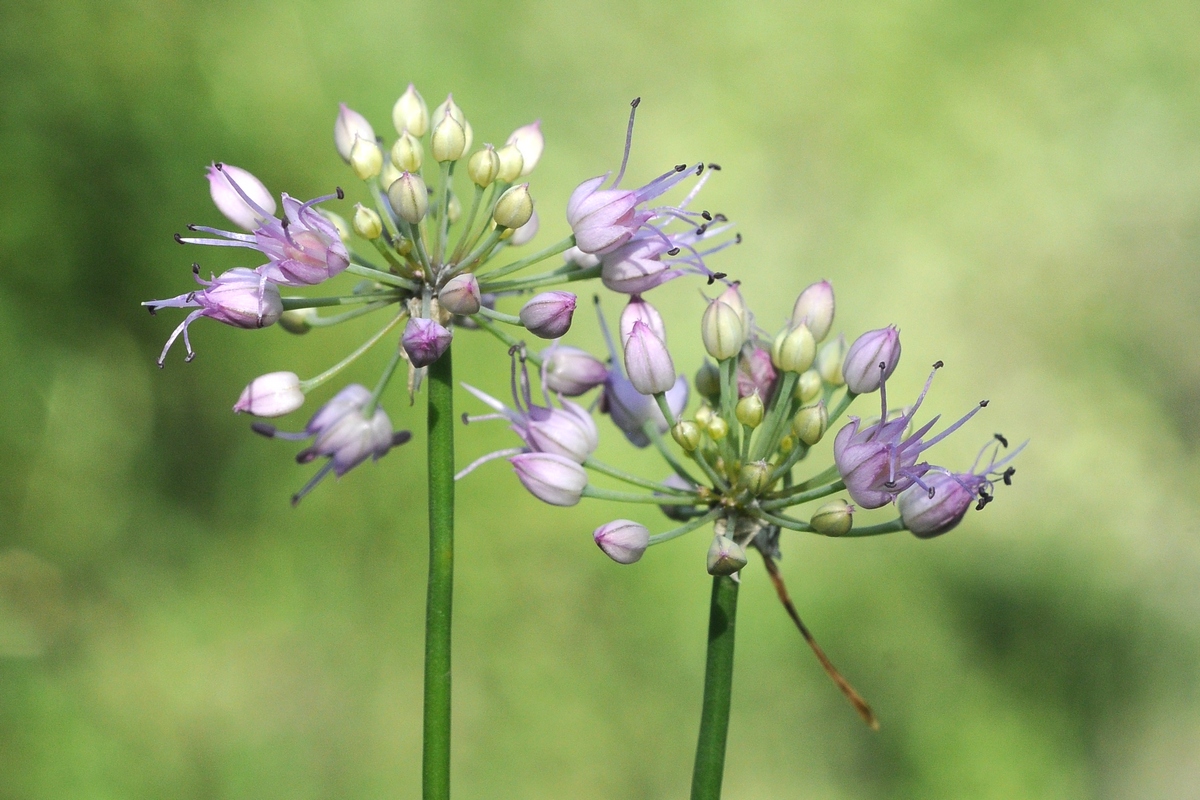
point(1015, 184)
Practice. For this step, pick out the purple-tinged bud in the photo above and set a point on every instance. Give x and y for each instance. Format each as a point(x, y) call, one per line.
point(551, 478)
point(794, 349)
point(872, 358)
point(367, 222)
point(622, 540)
point(410, 114)
point(525, 233)
point(271, 395)
point(808, 386)
point(637, 310)
point(548, 314)
point(708, 380)
point(229, 201)
point(810, 423)
point(461, 295)
point(814, 309)
point(366, 158)
point(835, 518)
point(928, 516)
point(511, 163)
point(829, 361)
point(350, 125)
point(569, 431)
point(722, 331)
point(573, 255)
point(631, 410)
point(514, 208)
point(407, 153)
point(756, 374)
point(570, 371)
point(424, 340)
point(409, 197)
point(528, 139)
point(725, 556)
point(484, 166)
point(647, 361)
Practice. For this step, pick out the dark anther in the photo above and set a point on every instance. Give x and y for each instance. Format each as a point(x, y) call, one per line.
point(401, 437)
point(932, 492)
point(938, 364)
point(191, 226)
point(466, 418)
point(706, 215)
point(890, 484)
point(984, 403)
point(285, 222)
point(340, 194)
point(1008, 475)
point(513, 350)
point(674, 251)
point(1000, 438)
point(179, 238)
point(190, 357)
point(737, 239)
point(882, 366)
point(263, 429)
point(719, 275)
point(191, 298)
point(154, 309)
point(195, 268)
point(680, 167)
point(219, 165)
point(717, 167)
point(712, 278)
point(700, 231)
point(635, 102)
point(596, 297)
point(699, 169)
point(720, 218)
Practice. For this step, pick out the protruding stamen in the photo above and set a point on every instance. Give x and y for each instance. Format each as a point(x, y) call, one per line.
point(312, 484)
point(628, 141)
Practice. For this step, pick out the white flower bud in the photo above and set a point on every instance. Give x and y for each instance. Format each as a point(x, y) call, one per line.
point(808, 386)
point(529, 140)
point(449, 138)
point(410, 114)
point(484, 166)
point(271, 395)
point(829, 361)
point(366, 159)
point(622, 540)
point(794, 350)
point(349, 126)
point(721, 329)
point(407, 153)
point(814, 308)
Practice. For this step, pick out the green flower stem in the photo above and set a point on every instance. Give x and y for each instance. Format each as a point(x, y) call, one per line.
point(799, 451)
point(384, 379)
point(631, 497)
point(557, 276)
point(470, 240)
point(345, 300)
point(384, 208)
point(482, 250)
point(665, 408)
point(540, 255)
point(312, 383)
point(846, 400)
point(338, 319)
point(613, 472)
point(435, 770)
point(797, 497)
point(767, 439)
point(379, 276)
point(506, 337)
point(820, 479)
point(718, 688)
point(875, 530)
point(651, 431)
point(500, 316)
point(688, 527)
point(466, 231)
point(782, 521)
point(444, 210)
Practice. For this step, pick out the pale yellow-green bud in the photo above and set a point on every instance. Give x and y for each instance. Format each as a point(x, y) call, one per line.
point(448, 108)
point(468, 134)
point(409, 198)
point(755, 477)
point(721, 330)
point(366, 159)
point(704, 415)
point(749, 410)
point(484, 166)
point(808, 386)
point(725, 556)
point(835, 518)
point(338, 222)
point(810, 423)
point(389, 174)
point(367, 223)
point(717, 428)
point(408, 153)
point(448, 140)
point(829, 360)
point(454, 209)
point(687, 434)
point(514, 208)
point(787, 444)
point(511, 163)
point(794, 349)
point(410, 113)
point(297, 320)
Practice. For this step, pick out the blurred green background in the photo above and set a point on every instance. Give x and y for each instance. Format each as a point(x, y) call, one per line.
point(1015, 184)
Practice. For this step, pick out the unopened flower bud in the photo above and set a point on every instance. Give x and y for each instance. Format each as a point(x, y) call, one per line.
point(570, 371)
point(810, 423)
point(814, 308)
point(514, 208)
point(721, 329)
point(704, 415)
point(708, 380)
point(407, 152)
point(389, 174)
point(409, 197)
point(717, 428)
point(528, 139)
point(484, 166)
point(224, 183)
point(424, 340)
point(410, 114)
point(647, 361)
point(460, 295)
point(871, 359)
point(453, 209)
point(338, 222)
point(551, 478)
point(297, 320)
point(622, 540)
point(525, 233)
point(794, 349)
point(548, 314)
point(829, 361)
point(469, 136)
point(755, 477)
point(350, 126)
point(927, 516)
point(366, 159)
point(808, 386)
point(449, 138)
point(835, 518)
point(637, 310)
point(687, 434)
point(749, 410)
point(271, 395)
point(787, 444)
point(732, 297)
point(367, 222)
point(511, 163)
point(725, 556)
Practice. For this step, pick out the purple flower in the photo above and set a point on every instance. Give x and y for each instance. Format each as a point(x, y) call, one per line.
point(647, 361)
point(651, 259)
point(302, 249)
point(622, 540)
point(756, 373)
point(871, 360)
point(932, 512)
point(878, 462)
point(551, 478)
point(548, 314)
point(424, 340)
point(570, 371)
point(240, 297)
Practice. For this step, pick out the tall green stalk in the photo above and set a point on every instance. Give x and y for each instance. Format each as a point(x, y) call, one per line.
point(718, 687)
point(435, 770)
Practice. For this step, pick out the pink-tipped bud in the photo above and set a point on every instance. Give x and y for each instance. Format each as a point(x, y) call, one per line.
point(529, 140)
point(569, 431)
point(230, 202)
point(548, 314)
point(638, 310)
point(410, 114)
point(424, 340)
point(570, 371)
point(814, 309)
point(622, 540)
point(647, 361)
point(871, 359)
point(271, 395)
point(725, 556)
point(551, 478)
point(350, 125)
point(461, 295)
point(932, 516)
